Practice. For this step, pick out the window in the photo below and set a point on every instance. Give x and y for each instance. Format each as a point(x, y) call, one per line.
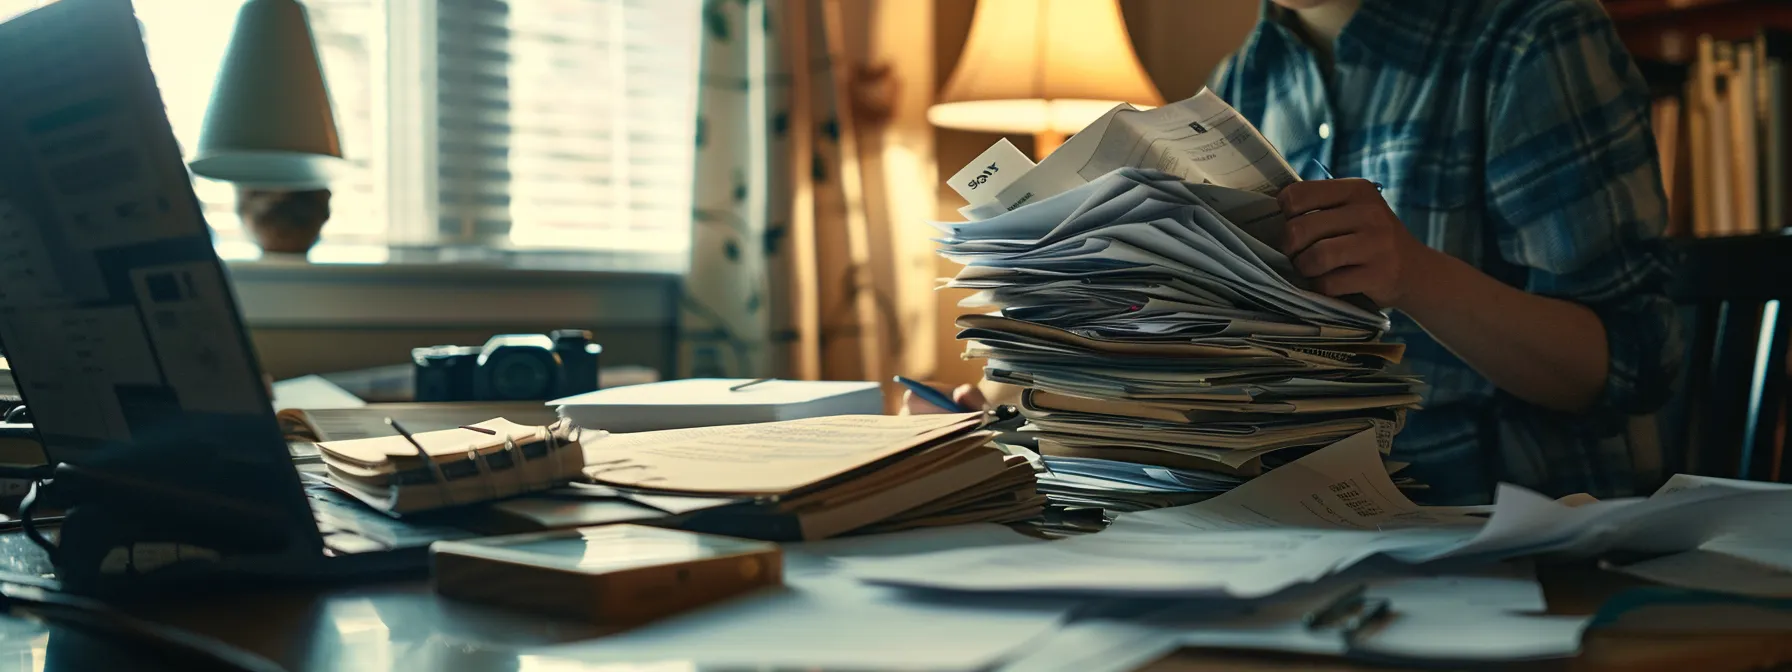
point(475, 128)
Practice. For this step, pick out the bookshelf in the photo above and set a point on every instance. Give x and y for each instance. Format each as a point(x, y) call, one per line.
point(1721, 75)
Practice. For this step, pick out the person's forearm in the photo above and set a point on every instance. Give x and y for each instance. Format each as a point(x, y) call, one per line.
point(1549, 352)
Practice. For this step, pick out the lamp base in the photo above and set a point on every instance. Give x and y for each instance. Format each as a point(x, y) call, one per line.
point(1046, 141)
point(284, 222)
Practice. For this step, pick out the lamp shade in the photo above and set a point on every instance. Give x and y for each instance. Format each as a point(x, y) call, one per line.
point(269, 123)
point(1042, 66)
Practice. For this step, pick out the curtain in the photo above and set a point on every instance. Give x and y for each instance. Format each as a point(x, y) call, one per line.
point(797, 265)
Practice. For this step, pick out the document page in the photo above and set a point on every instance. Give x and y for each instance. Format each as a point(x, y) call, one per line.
point(1201, 139)
point(1344, 486)
point(764, 458)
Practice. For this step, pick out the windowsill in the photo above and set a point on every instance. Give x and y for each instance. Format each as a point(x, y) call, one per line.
point(412, 290)
point(338, 259)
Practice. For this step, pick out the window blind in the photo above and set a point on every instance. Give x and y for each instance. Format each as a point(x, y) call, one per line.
point(567, 123)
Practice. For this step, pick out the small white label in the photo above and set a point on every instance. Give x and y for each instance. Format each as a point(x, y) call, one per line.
point(997, 167)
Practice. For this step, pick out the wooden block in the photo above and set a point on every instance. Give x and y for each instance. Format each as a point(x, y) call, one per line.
point(617, 575)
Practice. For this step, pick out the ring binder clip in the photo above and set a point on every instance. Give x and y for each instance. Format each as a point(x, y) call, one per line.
point(485, 471)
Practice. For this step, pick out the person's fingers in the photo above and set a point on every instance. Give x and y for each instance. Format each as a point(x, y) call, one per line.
point(1307, 196)
point(1345, 281)
point(966, 396)
point(913, 405)
point(1332, 254)
point(1302, 231)
point(969, 398)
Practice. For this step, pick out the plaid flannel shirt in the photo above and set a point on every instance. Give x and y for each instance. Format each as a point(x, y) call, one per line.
point(1513, 134)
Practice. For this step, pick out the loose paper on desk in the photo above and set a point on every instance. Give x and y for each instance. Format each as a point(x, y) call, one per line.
point(1293, 525)
point(823, 620)
point(1756, 562)
point(1323, 513)
point(768, 458)
point(1431, 618)
point(1201, 139)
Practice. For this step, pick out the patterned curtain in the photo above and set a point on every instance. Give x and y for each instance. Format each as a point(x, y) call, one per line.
point(742, 206)
point(792, 268)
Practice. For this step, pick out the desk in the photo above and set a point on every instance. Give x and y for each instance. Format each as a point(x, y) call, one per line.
point(402, 625)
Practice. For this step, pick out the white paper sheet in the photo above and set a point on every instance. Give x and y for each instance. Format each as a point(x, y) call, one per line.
point(1715, 571)
point(1199, 139)
point(313, 392)
point(823, 621)
point(1240, 544)
point(1429, 614)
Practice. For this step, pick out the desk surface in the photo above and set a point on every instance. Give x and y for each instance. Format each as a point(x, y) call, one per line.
point(402, 625)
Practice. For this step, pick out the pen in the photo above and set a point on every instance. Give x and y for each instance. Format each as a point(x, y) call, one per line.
point(748, 384)
point(434, 469)
point(1328, 173)
point(930, 395)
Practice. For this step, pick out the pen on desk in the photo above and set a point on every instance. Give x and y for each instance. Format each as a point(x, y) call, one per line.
point(930, 395)
point(748, 384)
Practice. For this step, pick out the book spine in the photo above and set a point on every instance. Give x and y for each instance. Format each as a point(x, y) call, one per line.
point(1745, 152)
point(1775, 47)
point(1700, 95)
point(1723, 194)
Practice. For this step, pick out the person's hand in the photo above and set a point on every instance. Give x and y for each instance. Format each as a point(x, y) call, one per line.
point(966, 396)
point(1342, 235)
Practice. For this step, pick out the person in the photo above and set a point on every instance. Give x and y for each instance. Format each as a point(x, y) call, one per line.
point(1505, 204)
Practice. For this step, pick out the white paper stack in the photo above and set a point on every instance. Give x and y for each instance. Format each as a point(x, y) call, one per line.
point(709, 402)
point(1167, 350)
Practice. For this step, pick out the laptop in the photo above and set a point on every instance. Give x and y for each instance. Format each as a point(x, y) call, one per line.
point(125, 338)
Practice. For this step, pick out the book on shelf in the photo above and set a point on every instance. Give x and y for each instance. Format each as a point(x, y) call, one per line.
point(1722, 137)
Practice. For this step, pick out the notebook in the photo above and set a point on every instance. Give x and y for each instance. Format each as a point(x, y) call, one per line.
point(708, 402)
point(485, 462)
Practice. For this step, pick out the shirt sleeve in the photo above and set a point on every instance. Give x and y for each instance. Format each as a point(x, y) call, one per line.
point(1574, 185)
point(1221, 76)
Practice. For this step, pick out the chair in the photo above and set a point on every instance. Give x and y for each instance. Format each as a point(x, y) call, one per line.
point(1738, 290)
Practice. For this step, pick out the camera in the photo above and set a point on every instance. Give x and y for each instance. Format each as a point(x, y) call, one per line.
point(509, 367)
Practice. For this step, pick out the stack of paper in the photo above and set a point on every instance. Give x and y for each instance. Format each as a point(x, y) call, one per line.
point(705, 402)
point(821, 477)
point(1152, 322)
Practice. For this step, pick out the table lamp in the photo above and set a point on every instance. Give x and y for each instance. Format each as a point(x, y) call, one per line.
point(1046, 67)
point(269, 128)
point(269, 123)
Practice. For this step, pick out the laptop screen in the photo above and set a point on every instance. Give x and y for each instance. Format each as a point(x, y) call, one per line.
point(115, 311)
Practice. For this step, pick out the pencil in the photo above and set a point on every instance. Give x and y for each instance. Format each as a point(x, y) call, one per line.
point(435, 470)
